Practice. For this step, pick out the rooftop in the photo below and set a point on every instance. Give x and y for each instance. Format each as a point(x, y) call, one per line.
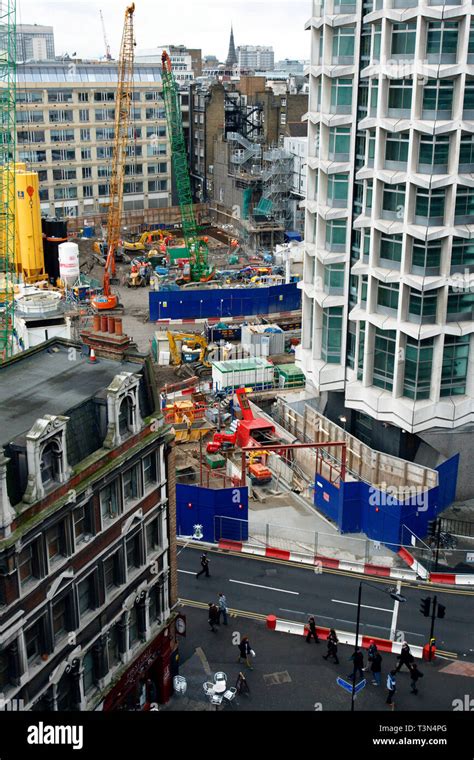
point(48, 381)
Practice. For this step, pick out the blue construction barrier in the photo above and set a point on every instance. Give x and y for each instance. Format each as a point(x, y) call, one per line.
point(221, 514)
point(225, 302)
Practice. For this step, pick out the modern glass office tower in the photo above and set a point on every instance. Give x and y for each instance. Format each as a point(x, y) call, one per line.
point(388, 291)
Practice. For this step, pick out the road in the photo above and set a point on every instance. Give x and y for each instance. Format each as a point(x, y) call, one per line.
point(292, 592)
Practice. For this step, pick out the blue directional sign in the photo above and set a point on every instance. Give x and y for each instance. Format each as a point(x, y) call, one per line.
point(348, 686)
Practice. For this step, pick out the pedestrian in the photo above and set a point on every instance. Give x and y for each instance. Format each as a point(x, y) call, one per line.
point(241, 685)
point(245, 652)
point(213, 616)
point(332, 642)
point(358, 659)
point(222, 603)
point(372, 650)
point(405, 657)
point(415, 674)
point(376, 668)
point(204, 566)
point(312, 630)
point(392, 687)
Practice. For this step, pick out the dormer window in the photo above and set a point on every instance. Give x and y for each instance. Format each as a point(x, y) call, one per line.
point(51, 464)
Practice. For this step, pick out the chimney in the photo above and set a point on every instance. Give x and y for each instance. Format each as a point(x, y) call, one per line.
point(96, 327)
point(118, 326)
point(111, 324)
point(103, 324)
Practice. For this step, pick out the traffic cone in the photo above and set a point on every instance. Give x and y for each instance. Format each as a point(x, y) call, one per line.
point(92, 356)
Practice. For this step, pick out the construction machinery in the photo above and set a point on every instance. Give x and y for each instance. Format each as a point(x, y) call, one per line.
point(250, 430)
point(197, 247)
point(123, 101)
point(259, 474)
point(146, 237)
point(191, 341)
point(108, 55)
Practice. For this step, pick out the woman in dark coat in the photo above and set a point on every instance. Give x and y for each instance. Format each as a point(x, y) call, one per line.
point(332, 642)
point(312, 630)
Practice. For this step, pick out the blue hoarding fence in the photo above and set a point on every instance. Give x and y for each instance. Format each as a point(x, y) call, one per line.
point(197, 510)
point(228, 302)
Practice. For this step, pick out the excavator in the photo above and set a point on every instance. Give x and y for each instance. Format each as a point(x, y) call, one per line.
point(149, 237)
point(191, 341)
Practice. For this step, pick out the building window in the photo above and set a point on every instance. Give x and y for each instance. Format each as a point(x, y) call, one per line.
point(343, 44)
point(422, 306)
point(464, 209)
point(107, 96)
point(393, 203)
point(131, 484)
point(442, 41)
point(403, 39)
point(56, 542)
point(60, 116)
point(86, 595)
point(82, 522)
point(61, 617)
point(88, 191)
point(29, 563)
point(133, 627)
point(462, 254)
point(35, 641)
point(88, 672)
point(384, 359)
point(426, 257)
point(455, 363)
point(332, 335)
point(83, 97)
point(339, 143)
point(50, 464)
point(351, 346)
point(387, 295)
point(85, 135)
point(112, 577)
point(460, 305)
point(133, 552)
point(149, 470)
point(334, 278)
point(400, 93)
point(113, 646)
point(429, 206)
point(466, 153)
point(154, 538)
point(86, 154)
point(336, 231)
point(63, 155)
point(437, 99)
point(60, 175)
point(338, 187)
point(390, 248)
point(341, 95)
point(418, 368)
point(109, 501)
point(5, 670)
point(434, 154)
point(59, 96)
point(396, 148)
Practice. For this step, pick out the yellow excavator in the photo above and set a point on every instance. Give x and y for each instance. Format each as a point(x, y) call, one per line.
point(146, 237)
point(191, 341)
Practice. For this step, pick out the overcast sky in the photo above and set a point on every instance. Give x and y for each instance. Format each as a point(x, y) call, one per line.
point(195, 23)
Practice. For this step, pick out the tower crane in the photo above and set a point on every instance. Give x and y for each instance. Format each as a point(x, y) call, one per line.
point(108, 56)
point(123, 103)
point(198, 250)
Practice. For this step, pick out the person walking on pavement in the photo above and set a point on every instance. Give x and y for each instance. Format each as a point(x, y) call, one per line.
point(392, 687)
point(312, 630)
point(241, 685)
point(415, 674)
point(376, 668)
point(213, 616)
point(222, 603)
point(204, 566)
point(244, 652)
point(372, 650)
point(332, 642)
point(358, 659)
point(405, 657)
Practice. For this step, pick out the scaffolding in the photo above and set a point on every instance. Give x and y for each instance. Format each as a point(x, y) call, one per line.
point(276, 184)
point(7, 173)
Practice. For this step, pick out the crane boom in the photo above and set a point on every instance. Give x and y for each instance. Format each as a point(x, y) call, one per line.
point(123, 103)
point(108, 55)
point(198, 250)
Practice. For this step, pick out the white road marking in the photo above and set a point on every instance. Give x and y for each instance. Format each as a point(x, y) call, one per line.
point(295, 612)
point(188, 572)
point(365, 606)
point(270, 588)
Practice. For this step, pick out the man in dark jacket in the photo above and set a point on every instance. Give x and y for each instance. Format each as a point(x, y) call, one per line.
point(312, 630)
point(332, 642)
point(405, 657)
point(204, 566)
point(376, 668)
point(244, 652)
point(213, 616)
point(358, 659)
point(415, 674)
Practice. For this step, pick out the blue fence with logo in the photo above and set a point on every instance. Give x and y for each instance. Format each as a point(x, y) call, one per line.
point(206, 507)
point(383, 516)
point(229, 302)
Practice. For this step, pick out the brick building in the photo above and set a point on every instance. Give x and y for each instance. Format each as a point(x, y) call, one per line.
point(87, 529)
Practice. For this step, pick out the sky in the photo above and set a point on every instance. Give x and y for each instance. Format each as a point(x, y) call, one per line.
point(201, 24)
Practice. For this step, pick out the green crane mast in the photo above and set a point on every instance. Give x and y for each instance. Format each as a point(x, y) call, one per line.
point(7, 173)
point(198, 250)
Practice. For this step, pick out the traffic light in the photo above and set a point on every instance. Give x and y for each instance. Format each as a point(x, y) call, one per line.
point(441, 611)
point(425, 605)
point(432, 528)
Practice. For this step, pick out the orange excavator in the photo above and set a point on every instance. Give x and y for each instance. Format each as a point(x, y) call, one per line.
point(123, 101)
point(250, 430)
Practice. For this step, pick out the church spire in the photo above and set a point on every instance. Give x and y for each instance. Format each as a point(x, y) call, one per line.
point(231, 55)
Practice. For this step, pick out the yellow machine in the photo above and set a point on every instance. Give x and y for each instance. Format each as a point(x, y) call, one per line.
point(191, 340)
point(146, 237)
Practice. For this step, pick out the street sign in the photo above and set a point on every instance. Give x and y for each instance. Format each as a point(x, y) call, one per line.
point(347, 685)
point(469, 556)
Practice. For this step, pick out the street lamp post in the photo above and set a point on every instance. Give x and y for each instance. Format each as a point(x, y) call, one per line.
point(394, 595)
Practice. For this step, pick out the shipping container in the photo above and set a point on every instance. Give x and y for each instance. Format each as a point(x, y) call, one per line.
point(253, 372)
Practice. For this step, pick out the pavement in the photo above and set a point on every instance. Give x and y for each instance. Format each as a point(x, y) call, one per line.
point(260, 587)
point(289, 674)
